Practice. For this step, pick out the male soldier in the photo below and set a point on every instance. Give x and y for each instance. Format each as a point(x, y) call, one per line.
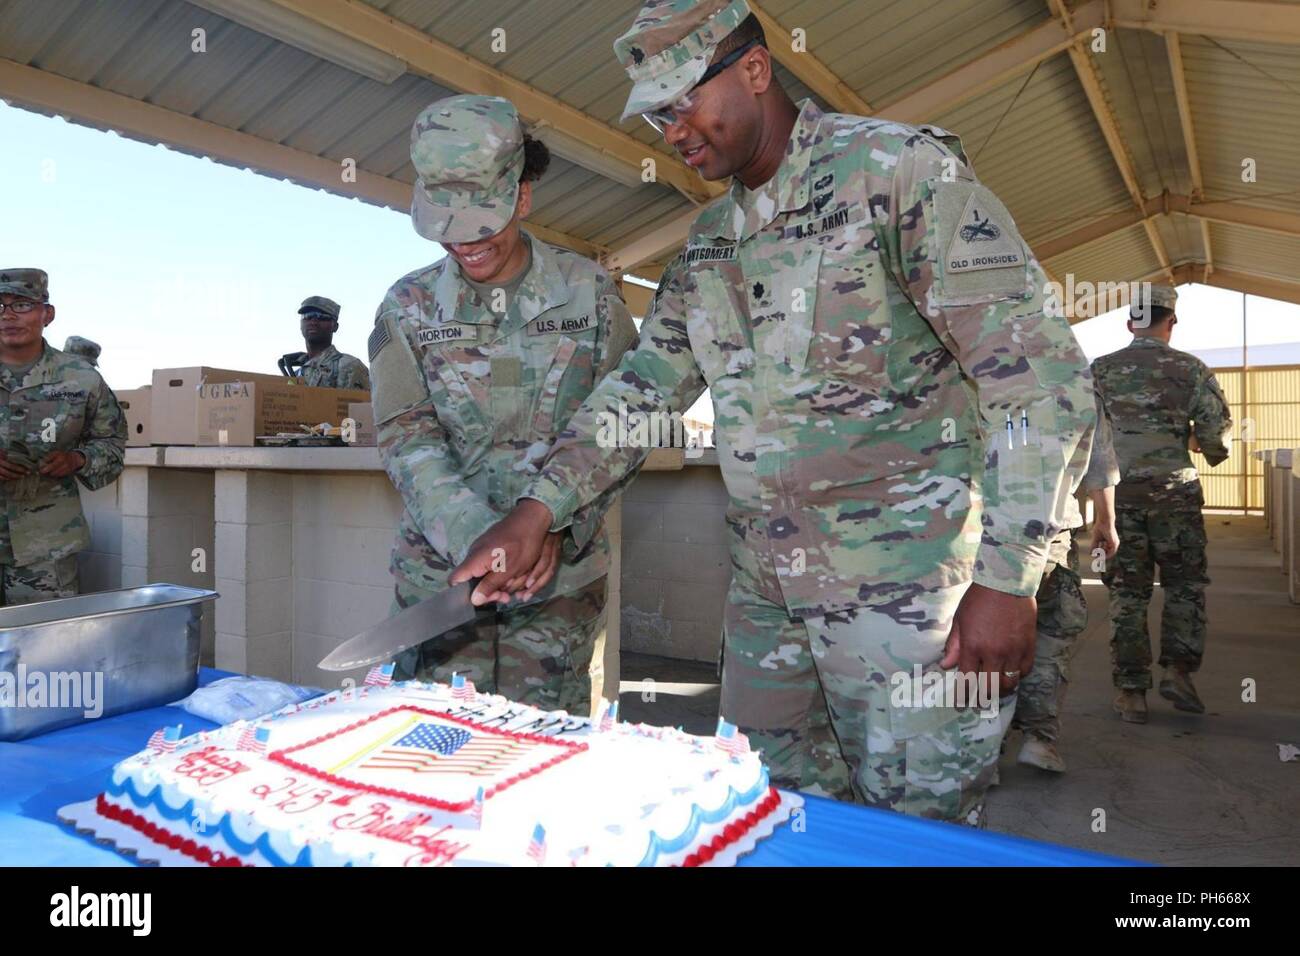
point(1160, 400)
point(57, 420)
point(832, 301)
point(76, 345)
point(1062, 611)
point(322, 364)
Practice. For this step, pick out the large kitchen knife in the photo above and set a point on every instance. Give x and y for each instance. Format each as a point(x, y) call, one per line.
point(405, 629)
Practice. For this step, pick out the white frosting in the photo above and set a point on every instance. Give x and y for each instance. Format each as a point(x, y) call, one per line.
point(372, 760)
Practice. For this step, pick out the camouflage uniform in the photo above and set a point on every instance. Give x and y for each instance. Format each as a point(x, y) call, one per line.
point(1158, 397)
point(467, 402)
point(832, 313)
point(41, 523)
point(1062, 611)
point(332, 368)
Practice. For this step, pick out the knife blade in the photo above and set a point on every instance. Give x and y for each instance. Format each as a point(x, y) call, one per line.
point(405, 629)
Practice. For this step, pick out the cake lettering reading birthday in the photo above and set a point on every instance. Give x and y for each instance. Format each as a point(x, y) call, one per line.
point(417, 774)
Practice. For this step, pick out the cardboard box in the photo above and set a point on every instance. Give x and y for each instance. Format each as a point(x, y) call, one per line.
point(137, 405)
point(235, 413)
point(363, 415)
point(175, 394)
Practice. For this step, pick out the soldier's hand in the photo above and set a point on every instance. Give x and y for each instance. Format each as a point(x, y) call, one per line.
point(60, 464)
point(10, 470)
point(515, 542)
point(1105, 536)
point(995, 632)
point(541, 573)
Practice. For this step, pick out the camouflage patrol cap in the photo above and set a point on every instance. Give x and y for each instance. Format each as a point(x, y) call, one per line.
point(85, 348)
point(29, 283)
point(670, 45)
point(468, 153)
point(318, 303)
point(1161, 296)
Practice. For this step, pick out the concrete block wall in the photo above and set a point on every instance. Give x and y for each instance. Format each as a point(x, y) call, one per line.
point(100, 566)
point(165, 515)
point(342, 535)
point(676, 565)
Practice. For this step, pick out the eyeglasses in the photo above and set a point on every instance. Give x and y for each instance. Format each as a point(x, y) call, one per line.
point(21, 307)
point(689, 102)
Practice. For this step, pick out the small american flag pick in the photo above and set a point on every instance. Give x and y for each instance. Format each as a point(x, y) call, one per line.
point(461, 689)
point(254, 739)
point(609, 717)
point(730, 740)
point(380, 676)
point(537, 845)
point(164, 739)
point(477, 811)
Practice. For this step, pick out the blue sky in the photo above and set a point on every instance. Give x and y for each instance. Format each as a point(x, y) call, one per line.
point(167, 259)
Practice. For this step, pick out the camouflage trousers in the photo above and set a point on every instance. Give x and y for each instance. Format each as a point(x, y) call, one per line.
point(815, 697)
point(540, 654)
point(1062, 617)
point(42, 581)
point(1174, 542)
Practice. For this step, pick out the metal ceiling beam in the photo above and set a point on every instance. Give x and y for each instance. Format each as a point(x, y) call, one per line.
point(1174, 48)
point(51, 93)
point(814, 74)
point(1260, 22)
point(1232, 213)
point(1090, 80)
point(1266, 286)
point(581, 138)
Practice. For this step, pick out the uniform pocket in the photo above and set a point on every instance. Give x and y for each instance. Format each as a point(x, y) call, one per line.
point(714, 327)
point(567, 382)
point(459, 406)
point(849, 335)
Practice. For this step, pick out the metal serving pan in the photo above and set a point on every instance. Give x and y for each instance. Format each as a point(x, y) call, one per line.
point(79, 658)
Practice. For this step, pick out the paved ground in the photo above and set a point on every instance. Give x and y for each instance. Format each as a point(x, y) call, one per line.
point(1182, 789)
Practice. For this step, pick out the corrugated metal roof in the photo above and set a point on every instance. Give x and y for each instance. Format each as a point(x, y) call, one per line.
point(1120, 257)
point(1047, 198)
point(1246, 103)
point(1033, 139)
point(1254, 251)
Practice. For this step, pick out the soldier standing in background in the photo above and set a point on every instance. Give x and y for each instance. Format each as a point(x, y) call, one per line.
point(76, 345)
point(835, 300)
point(58, 421)
point(479, 361)
point(1160, 400)
point(1062, 611)
point(322, 364)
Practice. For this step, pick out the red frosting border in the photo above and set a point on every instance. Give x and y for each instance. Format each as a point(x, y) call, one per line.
point(735, 830)
point(164, 837)
point(570, 748)
point(732, 833)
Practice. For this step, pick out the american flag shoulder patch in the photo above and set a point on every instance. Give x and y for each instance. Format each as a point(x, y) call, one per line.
point(378, 338)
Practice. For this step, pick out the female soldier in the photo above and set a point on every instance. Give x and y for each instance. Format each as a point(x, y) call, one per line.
point(478, 361)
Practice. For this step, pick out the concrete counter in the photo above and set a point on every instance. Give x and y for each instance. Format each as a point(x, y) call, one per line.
point(297, 542)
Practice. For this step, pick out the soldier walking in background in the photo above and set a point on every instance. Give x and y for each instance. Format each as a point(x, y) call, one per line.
point(59, 421)
point(1062, 610)
point(1160, 401)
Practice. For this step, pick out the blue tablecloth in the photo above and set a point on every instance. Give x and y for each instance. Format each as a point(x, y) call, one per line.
point(39, 776)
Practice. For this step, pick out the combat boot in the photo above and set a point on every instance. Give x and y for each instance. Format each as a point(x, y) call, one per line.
point(1041, 754)
point(1176, 686)
point(1131, 705)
